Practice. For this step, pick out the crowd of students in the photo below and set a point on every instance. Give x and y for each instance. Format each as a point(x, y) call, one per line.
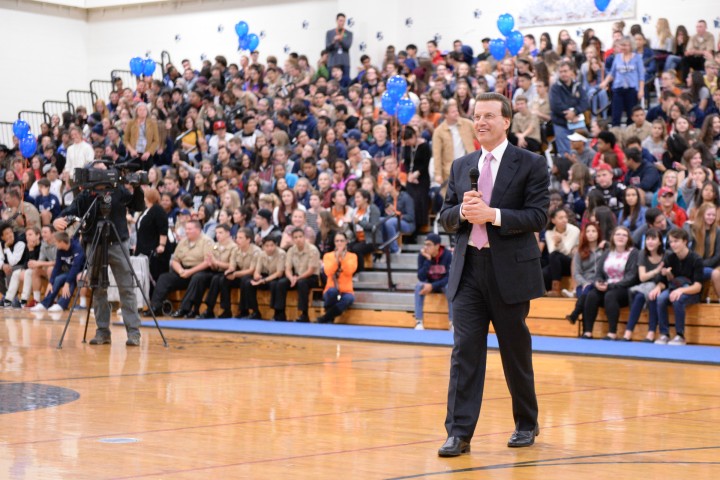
point(266, 154)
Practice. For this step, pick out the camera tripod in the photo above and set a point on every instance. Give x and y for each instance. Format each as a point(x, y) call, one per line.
point(96, 264)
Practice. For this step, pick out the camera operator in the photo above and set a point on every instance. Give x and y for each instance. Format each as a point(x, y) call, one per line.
point(120, 198)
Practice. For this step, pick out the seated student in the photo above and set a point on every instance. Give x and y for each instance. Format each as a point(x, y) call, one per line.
point(433, 272)
point(339, 266)
point(632, 215)
point(705, 237)
point(561, 241)
point(242, 267)
point(302, 266)
point(21, 274)
point(680, 284)
point(11, 259)
point(584, 268)
point(617, 272)
point(68, 264)
point(672, 211)
point(606, 143)
point(641, 173)
point(654, 218)
point(613, 192)
point(397, 204)
point(269, 268)
point(366, 225)
point(47, 204)
point(218, 262)
point(298, 219)
point(189, 258)
point(650, 262)
point(264, 226)
point(42, 267)
point(525, 130)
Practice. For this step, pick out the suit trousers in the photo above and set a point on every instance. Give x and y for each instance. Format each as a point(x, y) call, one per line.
point(303, 287)
point(193, 296)
point(249, 292)
point(225, 289)
point(477, 303)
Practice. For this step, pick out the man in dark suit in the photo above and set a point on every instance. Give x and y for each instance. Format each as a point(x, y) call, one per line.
point(337, 43)
point(495, 272)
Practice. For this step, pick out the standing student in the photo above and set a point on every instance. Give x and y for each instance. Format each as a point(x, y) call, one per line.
point(680, 284)
point(495, 272)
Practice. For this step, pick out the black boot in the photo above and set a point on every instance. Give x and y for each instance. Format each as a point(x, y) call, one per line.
point(330, 314)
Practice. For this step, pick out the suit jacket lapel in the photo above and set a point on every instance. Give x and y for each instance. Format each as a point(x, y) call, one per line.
point(470, 162)
point(508, 166)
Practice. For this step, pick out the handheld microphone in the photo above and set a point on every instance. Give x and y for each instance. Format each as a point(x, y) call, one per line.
point(474, 176)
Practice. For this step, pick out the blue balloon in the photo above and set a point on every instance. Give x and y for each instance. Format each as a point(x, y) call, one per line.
point(253, 42)
point(602, 4)
point(136, 66)
point(242, 29)
point(243, 43)
point(388, 103)
point(514, 42)
point(505, 23)
point(148, 67)
point(405, 110)
point(497, 48)
point(20, 128)
point(397, 86)
point(28, 145)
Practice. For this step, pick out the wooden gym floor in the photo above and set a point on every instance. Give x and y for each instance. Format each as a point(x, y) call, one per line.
point(235, 406)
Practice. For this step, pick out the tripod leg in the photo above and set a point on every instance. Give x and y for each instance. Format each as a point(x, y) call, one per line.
point(126, 256)
point(89, 265)
point(87, 317)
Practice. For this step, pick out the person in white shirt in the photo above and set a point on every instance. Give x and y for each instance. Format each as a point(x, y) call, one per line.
point(79, 153)
point(562, 241)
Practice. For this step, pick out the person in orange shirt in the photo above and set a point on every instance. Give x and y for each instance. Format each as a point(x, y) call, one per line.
point(339, 266)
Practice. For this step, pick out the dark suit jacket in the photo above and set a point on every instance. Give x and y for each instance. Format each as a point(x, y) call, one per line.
point(521, 194)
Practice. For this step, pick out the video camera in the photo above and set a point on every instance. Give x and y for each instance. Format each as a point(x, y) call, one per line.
point(115, 174)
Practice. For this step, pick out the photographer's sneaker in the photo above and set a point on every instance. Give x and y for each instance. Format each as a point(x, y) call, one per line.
point(55, 308)
point(663, 340)
point(678, 340)
point(38, 308)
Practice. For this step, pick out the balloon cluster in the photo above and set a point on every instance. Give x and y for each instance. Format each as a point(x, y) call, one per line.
point(394, 102)
point(513, 40)
point(246, 41)
point(138, 66)
point(602, 4)
point(28, 142)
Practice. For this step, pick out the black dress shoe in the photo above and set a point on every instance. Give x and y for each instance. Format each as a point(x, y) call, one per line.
point(279, 316)
point(225, 314)
point(179, 313)
point(243, 314)
point(254, 316)
point(205, 315)
point(523, 438)
point(302, 319)
point(453, 447)
point(149, 313)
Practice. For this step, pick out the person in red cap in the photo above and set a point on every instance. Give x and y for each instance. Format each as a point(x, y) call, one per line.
point(613, 192)
point(220, 133)
point(671, 210)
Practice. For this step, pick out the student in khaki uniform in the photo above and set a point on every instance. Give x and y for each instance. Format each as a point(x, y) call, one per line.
point(189, 258)
point(242, 266)
point(219, 261)
point(302, 265)
point(269, 268)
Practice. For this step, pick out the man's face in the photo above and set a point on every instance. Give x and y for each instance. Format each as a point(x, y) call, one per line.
point(242, 241)
point(75, 136)
point(700, 28)
point(524, 83)
point(667, 200)
point(46, 234)
point(269, 248)
point(677, 245)
point(299, 240)
point(603, 146)
point(340, 22)
point(660, 223)
point(223, 155)
point(192, 231)
point(309, 170)
point(222, 235)
point(603, 178)
point(638, 117)
point(250, 125)
point(490, 125)
point(431, 248)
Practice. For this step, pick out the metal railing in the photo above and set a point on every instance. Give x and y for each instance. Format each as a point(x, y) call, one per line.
point(57, 107)
point(6, 134)
point(84, 98)
point(128, 79)
point(101, 89)
point(34, 119)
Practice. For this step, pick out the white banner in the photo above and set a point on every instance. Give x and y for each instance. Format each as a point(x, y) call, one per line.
point(535, 13)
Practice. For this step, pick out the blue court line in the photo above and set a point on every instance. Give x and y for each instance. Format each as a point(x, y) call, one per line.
point(559, 345)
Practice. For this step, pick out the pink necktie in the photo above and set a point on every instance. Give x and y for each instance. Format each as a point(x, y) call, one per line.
point(485, 185)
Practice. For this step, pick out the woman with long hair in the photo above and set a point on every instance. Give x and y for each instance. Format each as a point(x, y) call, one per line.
point(650, 263)
point(584, 268)
point(710, 133)
point(365, 219)
point(426, 113)
point(617, 272)
point(545, 43)
point(628, 71)
point(632, 215)
point(464, 99)
point(189, 139)
point(700, 93)
point(152, 234)
point(206, 217)
point(678, 48)
point(561, 242)
point(643, 49)
point(341, 174)
point(705, 237)
point(283, 212)
point(655, 143)
point(326, 231)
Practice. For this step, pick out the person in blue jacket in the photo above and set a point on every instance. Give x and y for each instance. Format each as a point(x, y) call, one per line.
point(433, 272)
point(47, 204)
point(68, 264)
